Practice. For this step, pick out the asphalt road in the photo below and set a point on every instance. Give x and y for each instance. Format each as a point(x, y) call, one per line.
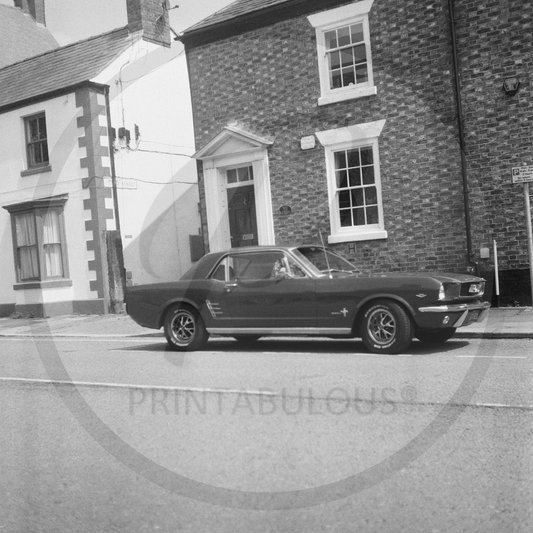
point(299, 435)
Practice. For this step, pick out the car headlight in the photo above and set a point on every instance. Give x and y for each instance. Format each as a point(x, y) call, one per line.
point(442, 292)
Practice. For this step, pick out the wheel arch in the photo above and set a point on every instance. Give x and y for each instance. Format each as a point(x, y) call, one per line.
point(369, 300)
point(172, 303)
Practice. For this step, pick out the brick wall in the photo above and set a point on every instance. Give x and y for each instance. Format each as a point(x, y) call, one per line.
point(266, 81)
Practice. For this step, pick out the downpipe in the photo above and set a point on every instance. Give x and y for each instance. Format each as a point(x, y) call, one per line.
point(474, 266)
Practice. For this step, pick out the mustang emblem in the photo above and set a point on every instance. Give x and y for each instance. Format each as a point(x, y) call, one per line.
point(421, 295)
point(342, 312)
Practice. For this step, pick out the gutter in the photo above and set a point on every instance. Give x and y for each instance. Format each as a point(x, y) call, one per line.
point(460, 121)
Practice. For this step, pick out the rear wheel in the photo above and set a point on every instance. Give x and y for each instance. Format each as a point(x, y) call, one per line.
point(386, 327)
point(184, 329)
point(434, 336)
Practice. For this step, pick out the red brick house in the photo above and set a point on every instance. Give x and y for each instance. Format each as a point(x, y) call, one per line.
point(342, 118)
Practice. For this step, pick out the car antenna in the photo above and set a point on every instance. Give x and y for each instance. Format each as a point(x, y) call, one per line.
point(325, 253)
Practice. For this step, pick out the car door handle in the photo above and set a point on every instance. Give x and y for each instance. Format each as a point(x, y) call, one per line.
point(229, 286)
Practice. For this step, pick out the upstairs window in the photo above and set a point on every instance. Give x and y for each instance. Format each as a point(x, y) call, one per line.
point(36, 141)
point(344, 54)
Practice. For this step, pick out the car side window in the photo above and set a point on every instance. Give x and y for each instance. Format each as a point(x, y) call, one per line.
point(220, 272)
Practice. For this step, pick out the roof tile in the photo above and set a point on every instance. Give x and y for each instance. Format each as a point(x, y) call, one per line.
point(61, 68)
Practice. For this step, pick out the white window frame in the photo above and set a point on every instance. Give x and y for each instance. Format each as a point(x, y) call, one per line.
point(359, 135)
point(336, 18)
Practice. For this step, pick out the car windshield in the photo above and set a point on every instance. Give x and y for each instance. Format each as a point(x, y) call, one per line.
point(326, 261)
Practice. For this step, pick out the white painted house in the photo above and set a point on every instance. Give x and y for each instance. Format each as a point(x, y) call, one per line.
point(90, 167)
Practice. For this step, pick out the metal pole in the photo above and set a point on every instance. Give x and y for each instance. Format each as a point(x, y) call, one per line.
point(496, 274)
point(529, 235)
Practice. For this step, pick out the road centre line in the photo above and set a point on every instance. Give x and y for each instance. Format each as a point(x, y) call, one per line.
point(141, 387)
point(79, 338)
point(491, 356)
point(264, 392)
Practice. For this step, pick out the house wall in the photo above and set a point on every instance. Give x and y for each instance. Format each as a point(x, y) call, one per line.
point(266, 81)
point(157, 190)
point(73, 130)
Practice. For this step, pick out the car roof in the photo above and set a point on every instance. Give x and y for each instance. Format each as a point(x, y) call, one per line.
point(204, 265)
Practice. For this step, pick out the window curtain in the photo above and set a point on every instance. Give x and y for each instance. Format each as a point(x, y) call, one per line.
point(27, 246)
point(52, 244)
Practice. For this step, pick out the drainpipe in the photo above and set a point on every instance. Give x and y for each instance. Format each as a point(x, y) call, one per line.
point(112, 160)
point(120, 252)
point(460, 119)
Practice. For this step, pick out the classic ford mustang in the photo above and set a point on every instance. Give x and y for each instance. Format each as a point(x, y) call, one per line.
point(251, 292)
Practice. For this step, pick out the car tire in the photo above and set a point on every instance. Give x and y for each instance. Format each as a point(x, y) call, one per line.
point(434, 336)
point(386, 327)
point(246, 338)
point(184, 329)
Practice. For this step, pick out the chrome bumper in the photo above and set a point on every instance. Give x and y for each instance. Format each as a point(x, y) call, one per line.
point(464, 309)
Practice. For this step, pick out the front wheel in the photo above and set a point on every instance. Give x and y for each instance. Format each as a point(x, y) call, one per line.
point(434, 336)
point(184, 329)
point(386, 327)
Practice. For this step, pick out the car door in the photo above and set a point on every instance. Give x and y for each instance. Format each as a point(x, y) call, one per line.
point(266, 291)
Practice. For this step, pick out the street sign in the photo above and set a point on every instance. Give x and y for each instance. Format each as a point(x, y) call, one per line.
point(523, 174)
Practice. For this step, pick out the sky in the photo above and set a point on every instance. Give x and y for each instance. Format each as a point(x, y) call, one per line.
point(74, 20)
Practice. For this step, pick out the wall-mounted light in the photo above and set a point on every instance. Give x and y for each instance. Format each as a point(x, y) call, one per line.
point(510, 85)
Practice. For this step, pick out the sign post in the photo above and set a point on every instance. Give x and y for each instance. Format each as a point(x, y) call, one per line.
point(524, 175)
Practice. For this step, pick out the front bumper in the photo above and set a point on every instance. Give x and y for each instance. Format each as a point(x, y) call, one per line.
point(452, 316)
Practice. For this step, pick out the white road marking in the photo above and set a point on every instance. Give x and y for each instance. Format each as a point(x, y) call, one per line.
point(491, 356)
point(100, 339)
point(137, 386)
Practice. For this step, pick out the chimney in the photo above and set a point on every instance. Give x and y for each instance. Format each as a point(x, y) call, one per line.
point(150, 17)
point(35, 8)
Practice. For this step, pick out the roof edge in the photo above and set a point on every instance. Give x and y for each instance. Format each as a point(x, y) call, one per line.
point(250, 21)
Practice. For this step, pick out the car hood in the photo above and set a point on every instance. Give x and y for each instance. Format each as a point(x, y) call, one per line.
point(442, 277)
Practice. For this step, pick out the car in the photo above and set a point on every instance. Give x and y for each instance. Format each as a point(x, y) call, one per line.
point(258, 291)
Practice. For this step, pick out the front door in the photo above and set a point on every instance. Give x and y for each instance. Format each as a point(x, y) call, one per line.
point(241, 207)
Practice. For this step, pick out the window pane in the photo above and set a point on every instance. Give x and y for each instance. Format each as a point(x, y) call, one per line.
point(344, 36)
point(366, 156)
point(242, 174)
point(52, 260)
point(359, 53)
point(342, 179)
point(357, 33)
point(344, 199)
point(359, 217)
point(355, 177)
point(334, 60)
point(368, 175)
point(51, 227)
point(232, 176)
point(331, 39)
point(25, 229)
point(29, 263)
point(346, 217)
point(372, 215)
point(340, 159)
point(371, 196)
point(358, 198)
point(348, 77)
point(353, 158)
point(362, 73)
point(347, 57)
point(336, 79)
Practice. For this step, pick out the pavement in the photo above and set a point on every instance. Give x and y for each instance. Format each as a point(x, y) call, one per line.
point(501, 323)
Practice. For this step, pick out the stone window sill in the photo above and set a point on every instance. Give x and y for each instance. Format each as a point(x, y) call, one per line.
point(49, 284)
point(36, 170)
